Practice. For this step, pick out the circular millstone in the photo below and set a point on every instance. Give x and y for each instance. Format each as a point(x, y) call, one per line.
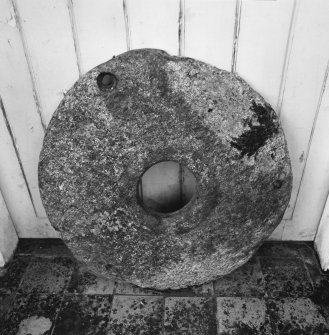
point(144, 107)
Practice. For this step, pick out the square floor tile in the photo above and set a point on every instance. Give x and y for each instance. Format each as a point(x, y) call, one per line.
point(245, 316)
point(285, 277)
point(306, 249)
point(5, 303)
point(300, 316)
point(190, 315)
point(11, 275)
point(314, 270)
point(31, 314)
point(246, 281)
point(47, 275)
point(85, 282)
point(25, 246)
point(132, 315)
point(84, 315)
point(52, 247)
point(122, 287)
point(279, 250)
point(320, 296)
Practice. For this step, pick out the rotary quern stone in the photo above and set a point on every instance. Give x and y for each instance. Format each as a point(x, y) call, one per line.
point(144, 107)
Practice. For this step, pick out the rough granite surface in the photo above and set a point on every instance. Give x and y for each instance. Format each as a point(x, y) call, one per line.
point(159, 107)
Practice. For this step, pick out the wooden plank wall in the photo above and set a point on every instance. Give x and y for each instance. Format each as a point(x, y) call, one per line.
point(279, 47)
point(8, 235)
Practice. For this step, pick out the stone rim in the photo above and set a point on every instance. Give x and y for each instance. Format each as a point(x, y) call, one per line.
point(168, 221)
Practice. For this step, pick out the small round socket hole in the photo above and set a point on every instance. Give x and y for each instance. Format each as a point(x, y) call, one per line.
point(106, 81)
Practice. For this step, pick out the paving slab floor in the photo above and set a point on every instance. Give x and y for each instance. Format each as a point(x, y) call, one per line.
point(281, 290)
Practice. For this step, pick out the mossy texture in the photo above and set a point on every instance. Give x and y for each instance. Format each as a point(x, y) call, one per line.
point(160, 107)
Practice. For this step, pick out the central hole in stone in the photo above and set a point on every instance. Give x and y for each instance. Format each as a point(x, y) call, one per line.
point(166, 187)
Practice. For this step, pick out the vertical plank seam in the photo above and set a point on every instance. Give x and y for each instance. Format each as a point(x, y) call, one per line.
point(76, 44)
point(127, 24)
point(236, 34)
point(29, 64)
point(323, 88)
point(284, 227)
point(286, 61)
point(284, 221)
point(284, 73)
point(181, 28)
point(17, 153)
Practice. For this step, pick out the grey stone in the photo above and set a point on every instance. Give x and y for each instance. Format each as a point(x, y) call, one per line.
point(155, 108)
point(190, 315)
point(237, 315)
point(132, 315)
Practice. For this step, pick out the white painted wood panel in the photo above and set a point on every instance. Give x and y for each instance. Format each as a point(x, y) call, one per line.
point(16, 91)
point(262, 44)
point(49, 38)
point(100, 30)
point(8, 236)
point(15, 192)
point(322, 238)
point(262, 50)
point(278, 232)
point(209, 28)
point(154, 24)
point(280, 47)
point(314, 187)
point(304, 80)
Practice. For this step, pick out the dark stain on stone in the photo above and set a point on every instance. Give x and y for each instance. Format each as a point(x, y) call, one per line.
point(277, 184)
point(182, 230)
point(251, 140)
point(159, 77)
point(210, 245)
